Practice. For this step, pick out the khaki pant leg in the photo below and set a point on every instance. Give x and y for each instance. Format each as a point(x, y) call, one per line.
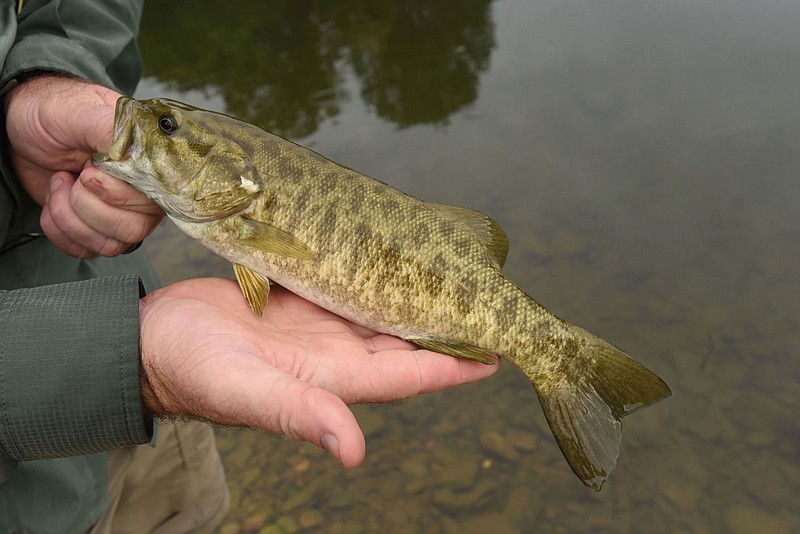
point(177, 486)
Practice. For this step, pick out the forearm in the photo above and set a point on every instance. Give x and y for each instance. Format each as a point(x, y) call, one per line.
point(69, 370)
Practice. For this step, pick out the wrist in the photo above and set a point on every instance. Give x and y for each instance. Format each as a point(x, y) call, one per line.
point(151, 406)
point(15, 84)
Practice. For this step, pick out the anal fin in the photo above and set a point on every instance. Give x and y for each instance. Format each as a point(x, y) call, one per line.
point(254, 286)
point(459, 350)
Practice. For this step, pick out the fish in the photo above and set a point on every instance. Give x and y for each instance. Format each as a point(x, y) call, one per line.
point(428, 273)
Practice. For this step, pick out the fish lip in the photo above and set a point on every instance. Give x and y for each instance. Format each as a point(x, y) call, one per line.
point(123, 131)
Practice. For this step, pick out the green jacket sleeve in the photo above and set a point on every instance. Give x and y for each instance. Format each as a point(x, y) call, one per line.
point(69, 362)
point(69, 370)
point(84, 38)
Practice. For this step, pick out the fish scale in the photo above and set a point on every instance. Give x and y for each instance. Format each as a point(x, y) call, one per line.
point(428, 273)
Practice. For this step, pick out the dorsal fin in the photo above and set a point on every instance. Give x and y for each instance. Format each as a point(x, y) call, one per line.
point(484, 227)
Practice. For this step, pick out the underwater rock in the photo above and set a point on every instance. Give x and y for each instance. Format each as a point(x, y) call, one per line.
point(495, 443)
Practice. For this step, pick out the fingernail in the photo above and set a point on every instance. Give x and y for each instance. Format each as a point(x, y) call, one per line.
point(330, 443)
point(95, 187)
point(55, 182)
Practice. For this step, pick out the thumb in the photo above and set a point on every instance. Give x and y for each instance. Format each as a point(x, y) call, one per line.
point(80, 114)
point(100, 119)
point(313, 414)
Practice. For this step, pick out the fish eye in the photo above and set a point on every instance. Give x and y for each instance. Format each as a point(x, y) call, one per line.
point(167, 123)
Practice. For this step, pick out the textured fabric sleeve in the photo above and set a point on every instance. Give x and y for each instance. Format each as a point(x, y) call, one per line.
point(69, 370)
point(84, 38)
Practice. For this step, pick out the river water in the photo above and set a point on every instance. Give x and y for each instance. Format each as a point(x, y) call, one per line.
point(643, 158)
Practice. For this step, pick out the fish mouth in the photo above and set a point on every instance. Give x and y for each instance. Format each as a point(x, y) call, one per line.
point(123, 132)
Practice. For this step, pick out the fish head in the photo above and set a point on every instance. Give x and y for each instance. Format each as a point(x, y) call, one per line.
point(184, 158)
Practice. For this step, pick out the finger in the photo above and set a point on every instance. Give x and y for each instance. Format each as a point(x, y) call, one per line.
point(59, 239)
point(316, 415)
point(441, 371)
point(377, 341)
point(34, 179)
point(117, 193)
point(82, 112)
point(398, 374)
point(99, 136)
point(121, 225)
point(363, 331)
point(60, 223)
point(70, 221)
point(280, 403)
point(384, 342)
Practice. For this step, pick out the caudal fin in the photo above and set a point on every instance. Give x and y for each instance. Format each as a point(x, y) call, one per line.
point(584, 411)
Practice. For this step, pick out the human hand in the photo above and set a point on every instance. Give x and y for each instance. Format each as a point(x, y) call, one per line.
point(292, 371)
point(54, 125)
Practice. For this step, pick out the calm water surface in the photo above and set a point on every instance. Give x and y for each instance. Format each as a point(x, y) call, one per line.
point(643, 158)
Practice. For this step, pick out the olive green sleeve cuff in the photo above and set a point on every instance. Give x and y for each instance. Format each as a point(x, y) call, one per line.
point(69, 370)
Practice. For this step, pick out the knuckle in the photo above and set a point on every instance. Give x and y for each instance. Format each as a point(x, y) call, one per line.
point(133, 228)
point(111, 247)
point(78, 251)
point(48, 226)
point(59, 211)
point(292, 422)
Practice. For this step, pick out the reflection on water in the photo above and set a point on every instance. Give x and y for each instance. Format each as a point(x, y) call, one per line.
point(281, 66)
point(643, 158)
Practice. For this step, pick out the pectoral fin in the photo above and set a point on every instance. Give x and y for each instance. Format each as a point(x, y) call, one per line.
point(268, 238)
point(459, 350)
point(254, 286)
point(484, 227)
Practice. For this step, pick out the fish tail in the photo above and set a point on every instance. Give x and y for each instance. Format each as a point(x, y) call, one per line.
point(584, 405)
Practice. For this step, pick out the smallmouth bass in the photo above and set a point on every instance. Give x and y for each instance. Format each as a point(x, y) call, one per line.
point(428, 273)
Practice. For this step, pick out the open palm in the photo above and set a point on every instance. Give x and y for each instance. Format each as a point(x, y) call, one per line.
point(292, 371)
